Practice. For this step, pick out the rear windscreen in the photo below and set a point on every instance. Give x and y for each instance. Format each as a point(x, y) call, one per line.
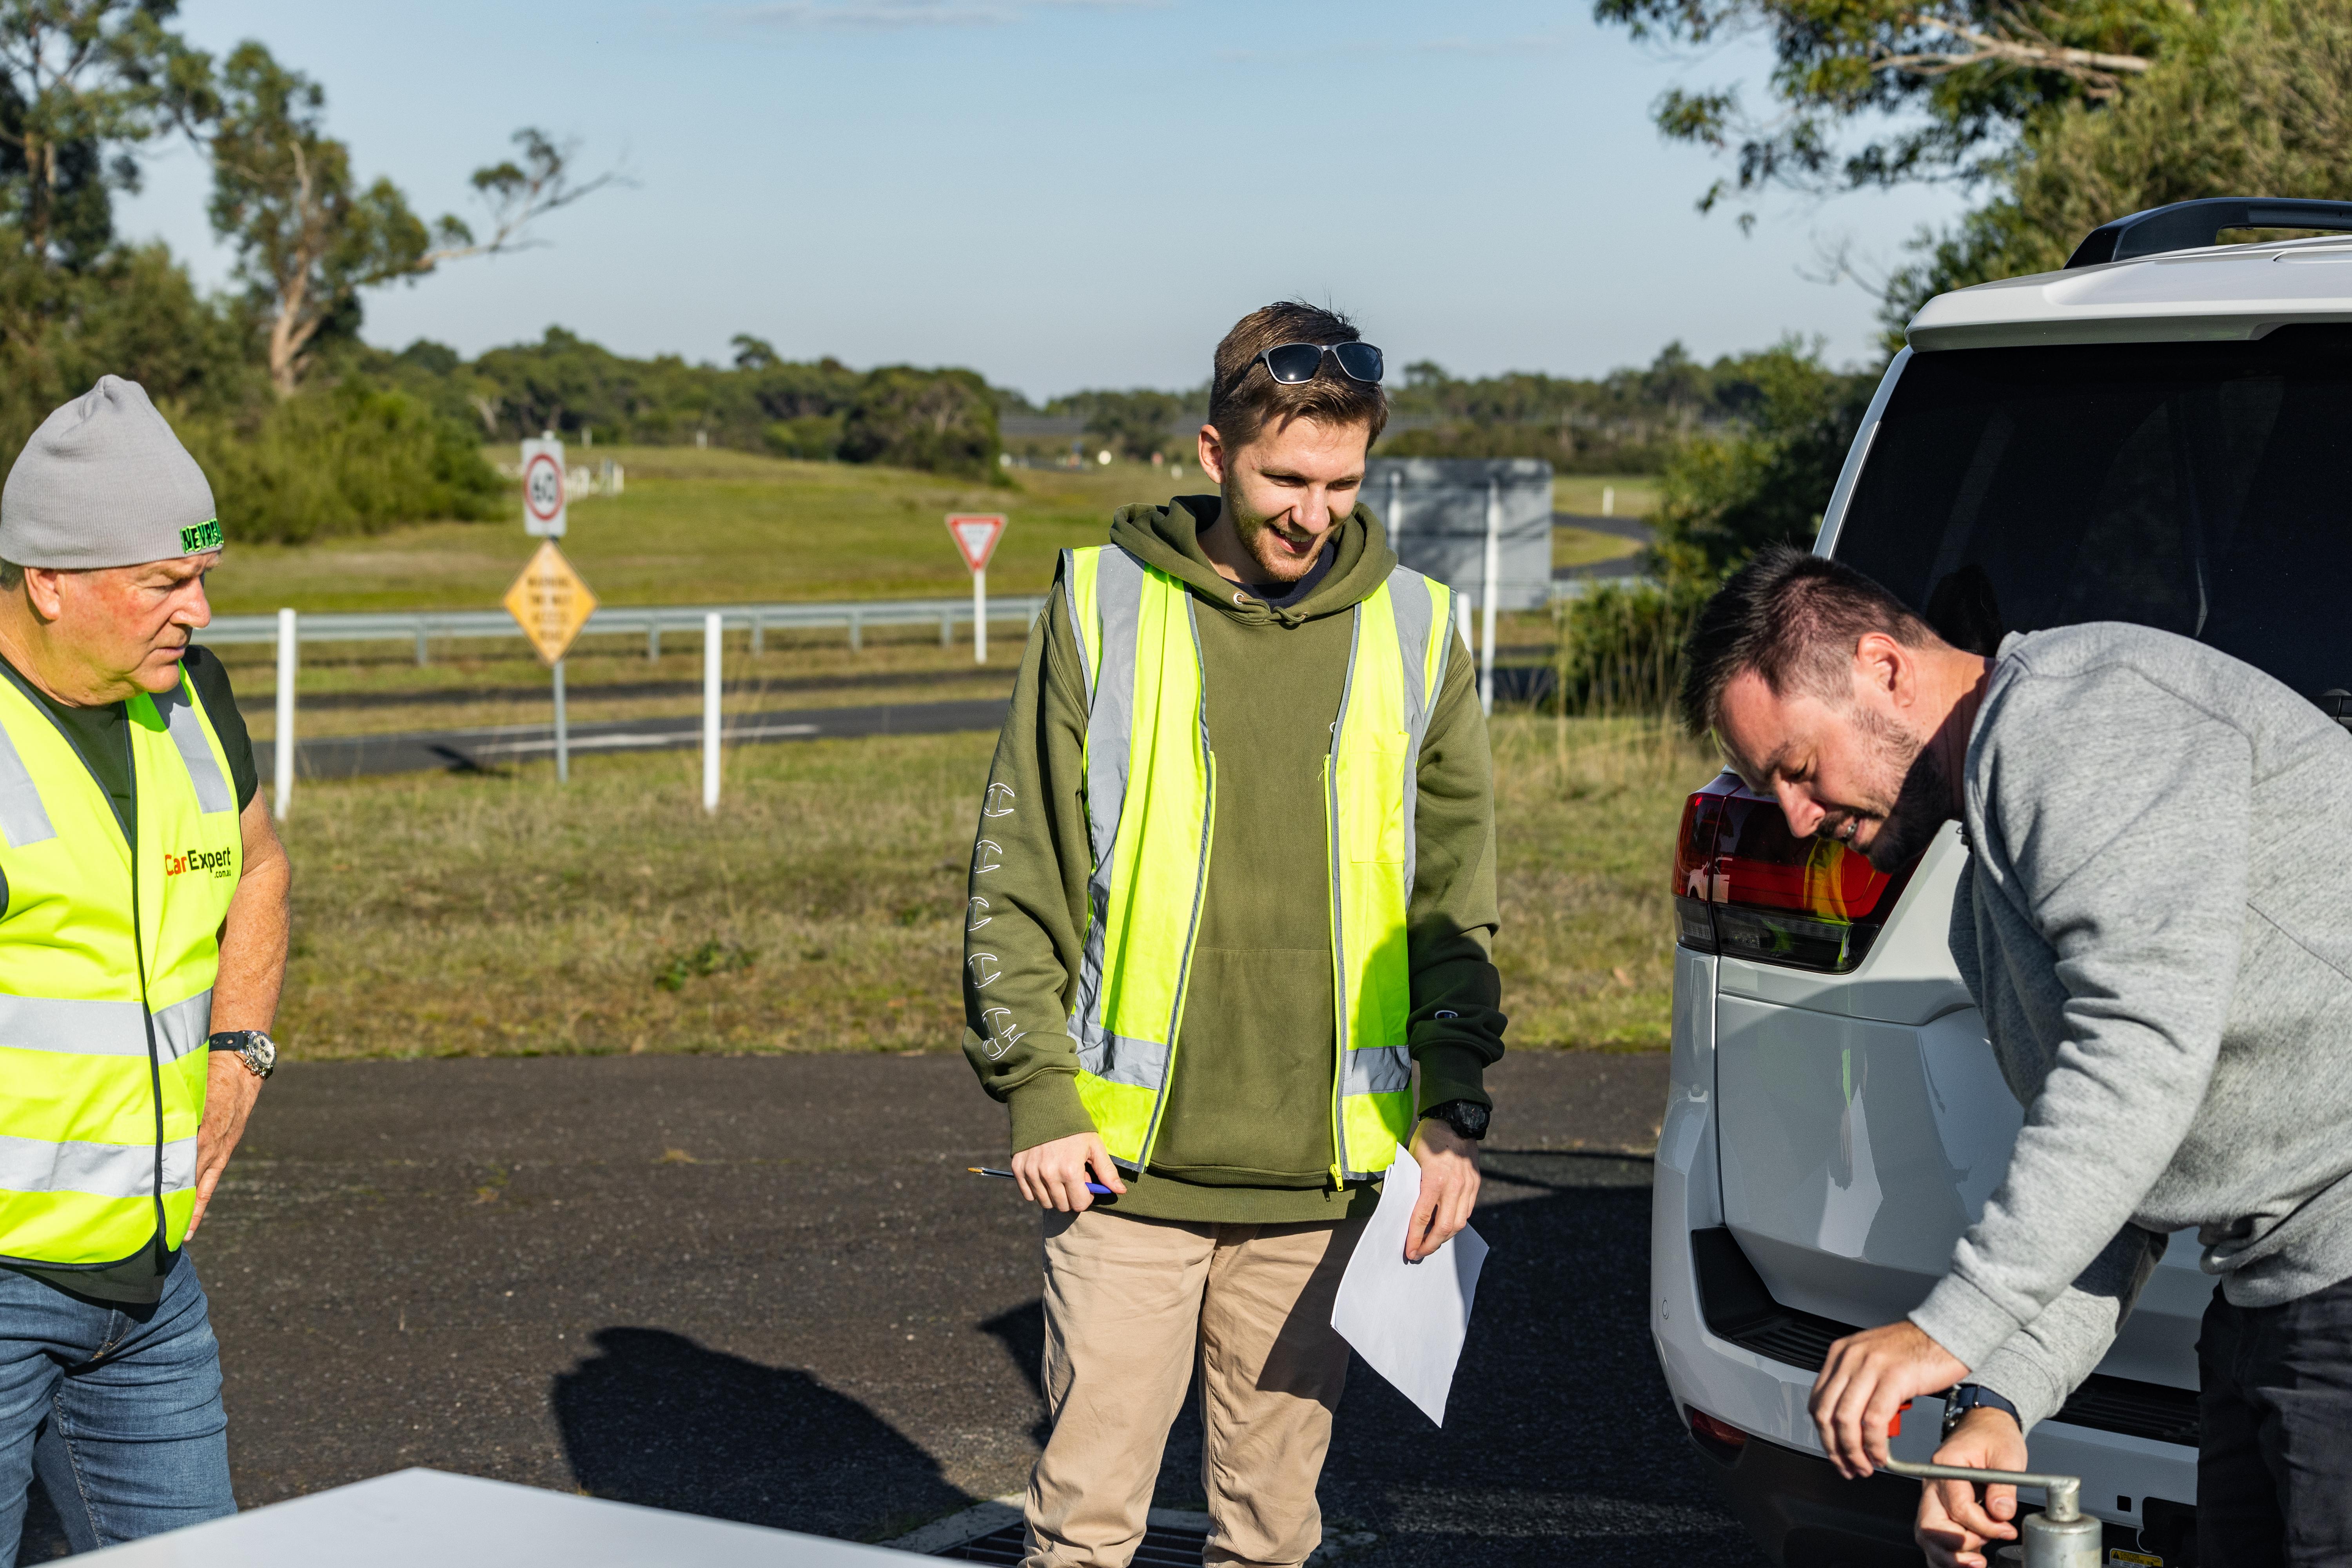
point(2204, 488)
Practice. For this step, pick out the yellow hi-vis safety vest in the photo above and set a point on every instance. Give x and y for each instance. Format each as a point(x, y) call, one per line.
point(1151, 805)
point(107, 958)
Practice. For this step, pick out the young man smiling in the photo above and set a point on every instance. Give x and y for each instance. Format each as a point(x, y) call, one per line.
point(1235, 881)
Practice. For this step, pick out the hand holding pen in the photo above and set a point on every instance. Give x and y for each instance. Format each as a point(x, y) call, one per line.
point(1067, 1174)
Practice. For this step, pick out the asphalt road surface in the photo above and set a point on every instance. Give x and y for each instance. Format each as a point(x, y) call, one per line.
point(763, 1289)
point(486, 750)
point(1622, 527)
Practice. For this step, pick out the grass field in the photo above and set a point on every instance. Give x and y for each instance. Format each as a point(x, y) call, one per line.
point(820, 909)
point(695, 526)
point(1582, 546)
point(701, 527)
point(1637, 494)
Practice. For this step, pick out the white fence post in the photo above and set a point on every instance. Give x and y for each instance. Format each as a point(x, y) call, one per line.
point(712, 639)
point(1494, 581)
point(563, 732)
point(979, 617)
point(284, 750)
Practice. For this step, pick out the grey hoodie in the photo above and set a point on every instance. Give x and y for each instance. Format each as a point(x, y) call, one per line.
point(2156, 922)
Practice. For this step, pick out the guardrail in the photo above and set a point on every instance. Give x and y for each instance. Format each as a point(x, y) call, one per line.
point(652, 620)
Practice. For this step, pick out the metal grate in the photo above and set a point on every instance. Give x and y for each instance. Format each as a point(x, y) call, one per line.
point(1163, 1547)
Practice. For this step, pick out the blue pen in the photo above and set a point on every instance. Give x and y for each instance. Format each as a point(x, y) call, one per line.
point(1095, 1188)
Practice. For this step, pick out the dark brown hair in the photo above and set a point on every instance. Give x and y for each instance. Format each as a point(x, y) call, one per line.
point(1794, 618)
point(1243, 398)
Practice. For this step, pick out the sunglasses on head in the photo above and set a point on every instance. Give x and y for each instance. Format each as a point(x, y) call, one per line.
point(1292, 363)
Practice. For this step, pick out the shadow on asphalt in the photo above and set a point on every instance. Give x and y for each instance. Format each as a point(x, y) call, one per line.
point(1560, 1445)
point(654, 1418)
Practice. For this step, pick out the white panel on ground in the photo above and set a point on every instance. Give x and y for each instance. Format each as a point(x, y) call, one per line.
point(463, 1521)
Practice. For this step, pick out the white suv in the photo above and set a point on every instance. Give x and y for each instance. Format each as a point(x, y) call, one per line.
point(2156, 433)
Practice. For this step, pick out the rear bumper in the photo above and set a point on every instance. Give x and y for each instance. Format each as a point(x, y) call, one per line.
point(1766, 1396)
point(1802, 1512)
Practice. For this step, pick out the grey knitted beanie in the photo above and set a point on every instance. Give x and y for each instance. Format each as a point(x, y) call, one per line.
point(104, 483)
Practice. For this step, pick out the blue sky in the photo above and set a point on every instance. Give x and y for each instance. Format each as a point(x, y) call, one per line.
point(1062, 193)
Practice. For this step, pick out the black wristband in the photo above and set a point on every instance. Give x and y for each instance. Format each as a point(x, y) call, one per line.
point(1467, 1116)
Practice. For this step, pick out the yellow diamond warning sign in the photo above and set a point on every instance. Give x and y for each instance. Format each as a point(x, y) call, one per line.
point(550, 602)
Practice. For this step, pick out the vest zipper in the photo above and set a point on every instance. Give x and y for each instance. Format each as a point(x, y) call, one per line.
point(146, 1005)
point(1342, 1032)
point(1200, 897)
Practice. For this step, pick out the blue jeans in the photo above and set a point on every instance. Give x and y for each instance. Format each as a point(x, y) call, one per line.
point(117, 1407)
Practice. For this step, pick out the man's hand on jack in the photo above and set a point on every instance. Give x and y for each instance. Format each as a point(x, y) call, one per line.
point(1449, 1188)
point(1954, 1528)
point(1056, 1174)
point(1864, 1382)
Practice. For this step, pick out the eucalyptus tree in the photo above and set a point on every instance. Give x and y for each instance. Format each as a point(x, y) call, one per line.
point(1881, 92)
point(84, 84)
point(309, 237)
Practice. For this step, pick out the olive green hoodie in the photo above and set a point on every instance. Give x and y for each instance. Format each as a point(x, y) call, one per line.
point(1246, 1133)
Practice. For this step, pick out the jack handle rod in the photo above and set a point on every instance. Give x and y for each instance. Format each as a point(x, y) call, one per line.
point(2065, 1492)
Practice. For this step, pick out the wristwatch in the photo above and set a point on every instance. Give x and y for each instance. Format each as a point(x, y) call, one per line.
point(1968, 1396)
point(256, 1050)
point(1467, 1116)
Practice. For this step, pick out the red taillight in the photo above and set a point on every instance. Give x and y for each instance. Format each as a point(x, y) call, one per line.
point(1744, 886)
point(1720, 1438)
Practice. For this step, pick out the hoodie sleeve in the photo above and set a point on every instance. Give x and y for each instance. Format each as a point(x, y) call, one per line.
point(1456, 1029)
point(1027, 894)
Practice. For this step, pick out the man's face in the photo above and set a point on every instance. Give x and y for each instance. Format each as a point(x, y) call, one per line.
point(1855, 771)
point(119, 629)
point(1288, 489)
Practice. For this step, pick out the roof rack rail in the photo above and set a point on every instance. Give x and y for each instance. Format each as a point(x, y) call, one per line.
point(2187, 225)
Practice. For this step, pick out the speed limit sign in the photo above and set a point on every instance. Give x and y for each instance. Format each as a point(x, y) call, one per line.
point(542, 488)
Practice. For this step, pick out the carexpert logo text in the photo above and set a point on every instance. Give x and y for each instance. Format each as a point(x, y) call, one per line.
point(217, 862)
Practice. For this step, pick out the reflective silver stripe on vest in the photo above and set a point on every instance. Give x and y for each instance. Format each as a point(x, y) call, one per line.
point(1379, 1070)
point(1077, 632)
point(182, 1027)
point(187, 734)
point(103, 1028)
point(1110, 728)
point(102, 1170)
point(1415, 608)
point(23, 817)
point(81, 1028)
point(1116, 1059)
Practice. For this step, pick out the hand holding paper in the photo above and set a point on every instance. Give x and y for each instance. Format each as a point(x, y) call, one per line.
point(1408, 1319)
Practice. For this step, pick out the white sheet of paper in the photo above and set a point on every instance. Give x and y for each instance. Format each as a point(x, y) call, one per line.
point(1407, 1319)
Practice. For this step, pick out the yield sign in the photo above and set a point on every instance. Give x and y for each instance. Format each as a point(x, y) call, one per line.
point(976, 535)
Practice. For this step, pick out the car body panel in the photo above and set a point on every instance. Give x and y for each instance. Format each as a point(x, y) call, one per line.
point(2221, 292)
point(1848, 1128)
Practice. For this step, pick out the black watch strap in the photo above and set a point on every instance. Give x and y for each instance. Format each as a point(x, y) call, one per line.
point(1968, 1396)
point(1467, 1116)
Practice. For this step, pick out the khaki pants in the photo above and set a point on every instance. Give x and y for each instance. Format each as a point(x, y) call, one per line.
point(1129, 1305)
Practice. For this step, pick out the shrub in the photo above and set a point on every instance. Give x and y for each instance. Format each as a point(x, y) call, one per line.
point(815, 437)
point(1621, 648)
point(346, 459)
point(1765, 478)
point(944, 421)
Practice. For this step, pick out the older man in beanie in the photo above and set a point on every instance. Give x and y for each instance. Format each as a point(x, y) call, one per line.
point(142, 950)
